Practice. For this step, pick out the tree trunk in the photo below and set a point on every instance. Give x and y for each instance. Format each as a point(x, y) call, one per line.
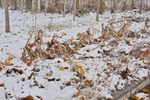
point(132, 6)
point(124, 5)
point(46, 5)
point(34, 6)
point(7, 26)
point(39, 5)
point(64, 8)
point(98, 7)
point(141, 5)
point(75, 8)
point(101, 6)
point(0, 4)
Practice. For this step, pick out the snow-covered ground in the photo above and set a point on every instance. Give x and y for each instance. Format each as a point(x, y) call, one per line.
point(105, 67)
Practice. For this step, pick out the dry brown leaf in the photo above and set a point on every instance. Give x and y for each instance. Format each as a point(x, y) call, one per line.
point(76, 94)
point(65, 59)
point(20, 71)
point(127, 41)
point(82, 98)
point(99, 89)
point(31, 45)
point(124, 60)
point(8, 63)
point(143, 31)
point(145, 54)
point(125, 98)
point(66, 68)
point(6, 95)
point(120, 35)
point(27, 98)
point(61, 68)
point(1, 65)
point(2, 85)
point(11, 57)
point(29, 63)
point(78, 66)
point(98, 74)
point(58, 61)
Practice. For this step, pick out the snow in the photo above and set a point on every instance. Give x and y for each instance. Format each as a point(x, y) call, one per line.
point(142, 96)
point(50, 82)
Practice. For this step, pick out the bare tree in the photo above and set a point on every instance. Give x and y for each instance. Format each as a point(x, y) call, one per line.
point(124, 5)
point(98, 7)
point(7, 26)
point(75, 9)
point(46, 6)
point(34, 6)
point(28, 4)
point(0, 4)
point(101, 6)
point(141, 5)
point(39, 5)
point(64, 8)
point(132, 5)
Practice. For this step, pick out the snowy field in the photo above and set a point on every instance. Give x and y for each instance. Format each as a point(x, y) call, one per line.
point(97, 69)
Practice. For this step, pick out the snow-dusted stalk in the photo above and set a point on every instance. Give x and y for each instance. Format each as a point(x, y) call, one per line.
point(7, 26)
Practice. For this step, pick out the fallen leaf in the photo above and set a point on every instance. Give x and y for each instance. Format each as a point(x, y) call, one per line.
point(66, 68)
point(31, 45)
point(42, 58)
point(10, 57)
point(134, 97)
point(1, 65)
point(58, 61)
point(78, 66)
point(81, 71)
point(8, 63)
point(143, 31)
point(146, 90)
point(27, 98)
point(99, 89)
point(2, 85)
point(29, 63)
point(35, 57)
point(6, 95)
point(61, 68)
point(82, 98)
point(98, 74)
point(17, 70)
point(124, 60)
point(20, 71)
point(145, 54)
point(120, 34)
point(127, 41)
point(49, 75)
point(65, 59)
point(76, 94)
point(126, 98)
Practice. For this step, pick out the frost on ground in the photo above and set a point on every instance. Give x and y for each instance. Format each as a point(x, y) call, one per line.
point(142, 95)
point(66, 60)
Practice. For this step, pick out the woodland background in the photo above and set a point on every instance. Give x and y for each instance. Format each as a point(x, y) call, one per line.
point(82, 6)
